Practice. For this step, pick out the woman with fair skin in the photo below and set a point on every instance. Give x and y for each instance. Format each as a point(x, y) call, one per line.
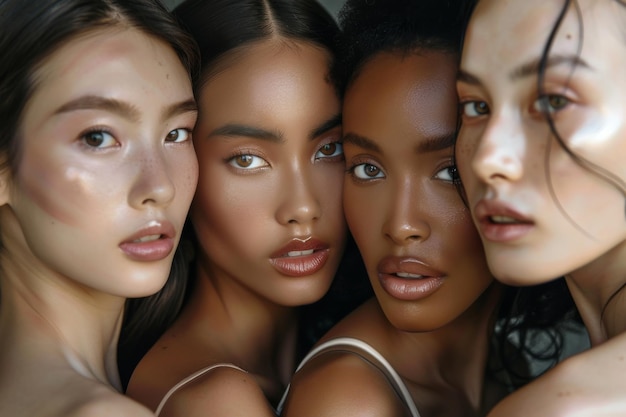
point(541, 155)
point(98, 171)
point(267, 215)
point(421, 346)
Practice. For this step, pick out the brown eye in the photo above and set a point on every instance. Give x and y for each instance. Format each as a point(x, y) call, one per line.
point(367, 172)
point(551, 103)
point(329, 150)
point(557, 102)
point(177, 135)
point(98, 139)
point(474, 108)
point(244, 161)
point(247, 161)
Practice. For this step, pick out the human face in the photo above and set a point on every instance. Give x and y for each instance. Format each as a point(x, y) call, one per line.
point(268, 211)
point(542, 215)
point(422, 253)
point(107, 167)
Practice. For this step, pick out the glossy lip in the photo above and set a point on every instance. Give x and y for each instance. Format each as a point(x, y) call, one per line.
point(289, 260)
point(422, 282)
point(501, 232)
point(154, 250)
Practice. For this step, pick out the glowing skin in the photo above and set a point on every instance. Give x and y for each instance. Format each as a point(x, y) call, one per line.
point(507, 158)
point(271, 169)
point(552, 216)
point(107, 162)
point(400, 201)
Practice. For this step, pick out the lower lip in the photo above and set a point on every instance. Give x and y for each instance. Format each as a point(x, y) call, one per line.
point(299, 266)
point(504, 232)
point(155, 250)
point(409, 289)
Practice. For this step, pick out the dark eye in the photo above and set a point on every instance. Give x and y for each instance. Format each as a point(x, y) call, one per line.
point(247, 161)
point(474, 108)
point(367, 172)
point(98, 139)
point(551, 103)
point(178, 135)
point(449, 173)
point(330, 150)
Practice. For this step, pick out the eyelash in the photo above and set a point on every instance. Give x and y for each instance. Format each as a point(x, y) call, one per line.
point(352, 171)
point(336, 156)
point(97, 130)
point(454, 174)
point(232, 160)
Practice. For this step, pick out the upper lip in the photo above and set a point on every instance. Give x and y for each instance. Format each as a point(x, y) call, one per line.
point(484, 210)
point(298, 245)
point(391, 265)
point(162, 228)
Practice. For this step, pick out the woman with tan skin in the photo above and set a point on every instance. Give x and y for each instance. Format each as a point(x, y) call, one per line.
point(422, 345)
point(98, 171)
point(541, 155)
point(267, 215)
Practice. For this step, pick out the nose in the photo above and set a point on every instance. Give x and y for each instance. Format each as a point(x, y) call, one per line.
point(405, 221)
point(497, 156)
point(153, 183)
point(299, 203)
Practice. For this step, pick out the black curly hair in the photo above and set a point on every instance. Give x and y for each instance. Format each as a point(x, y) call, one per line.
point(531, 320)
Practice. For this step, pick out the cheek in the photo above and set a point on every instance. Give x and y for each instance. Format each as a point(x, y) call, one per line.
point(463, 154)
point(185, 172)
point(62, 191)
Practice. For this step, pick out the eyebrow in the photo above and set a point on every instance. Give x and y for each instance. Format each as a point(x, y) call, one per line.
point(534, 66)
point(437, 143)
point(123, 109)
point(92, 102)
point(238, 129)
point(361, 142)
point(329, 124)
point(529, 68)
point(431, 144)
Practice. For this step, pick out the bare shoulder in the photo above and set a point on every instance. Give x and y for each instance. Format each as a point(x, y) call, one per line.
point(106, 403)
point(588, 384)
point(223, 391)
point(341, 384)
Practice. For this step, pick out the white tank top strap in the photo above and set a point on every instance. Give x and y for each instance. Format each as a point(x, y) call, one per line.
point(190, 378)
point(367, 352)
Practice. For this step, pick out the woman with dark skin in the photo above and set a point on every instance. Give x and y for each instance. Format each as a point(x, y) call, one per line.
point(267, 215)
point(97, 173)
point(540, 154)
point(422, 345)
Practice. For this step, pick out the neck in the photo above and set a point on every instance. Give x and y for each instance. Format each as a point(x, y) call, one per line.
point(456, 355)
point(246, 328)
point(46, 319)
point(598, 289)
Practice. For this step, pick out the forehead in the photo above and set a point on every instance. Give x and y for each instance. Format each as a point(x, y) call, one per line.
point(271, 74)
point(418, 87)
point(508, 32)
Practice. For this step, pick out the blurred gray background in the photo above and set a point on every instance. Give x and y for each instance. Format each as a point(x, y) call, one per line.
point(332, 5)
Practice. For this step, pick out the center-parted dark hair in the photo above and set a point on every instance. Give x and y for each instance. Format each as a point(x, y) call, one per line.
point(221, 27)
point(371, 27)
point(32, 30)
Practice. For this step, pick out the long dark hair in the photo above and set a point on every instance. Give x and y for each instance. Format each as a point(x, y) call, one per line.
point(220, 27)
point(32, 30)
